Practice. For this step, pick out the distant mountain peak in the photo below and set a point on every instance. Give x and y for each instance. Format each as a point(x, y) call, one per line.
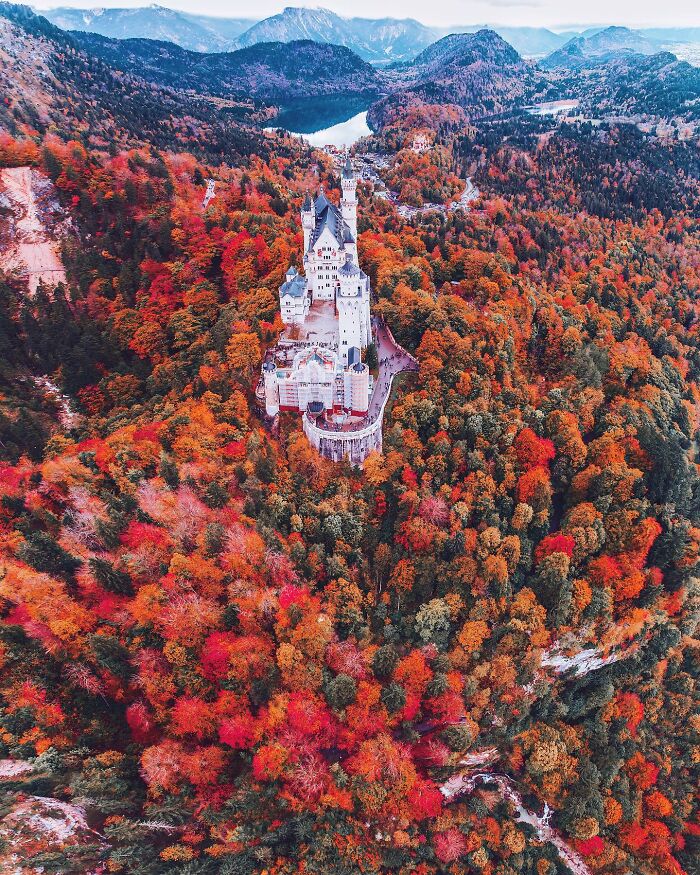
point(378, 40)
point(602, 45)
point(194, 32)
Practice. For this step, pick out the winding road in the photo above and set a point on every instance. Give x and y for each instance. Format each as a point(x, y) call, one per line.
point(393, 359)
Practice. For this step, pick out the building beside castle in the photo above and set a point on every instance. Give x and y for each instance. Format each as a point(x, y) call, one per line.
point(422, 143)
point(317, 367)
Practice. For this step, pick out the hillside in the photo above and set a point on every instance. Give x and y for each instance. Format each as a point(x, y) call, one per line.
point(462, 50)
point(657, 85)
point(196, 32)
point(225, 655)
point(50, 81)
point(264, 70)
point(480, 74)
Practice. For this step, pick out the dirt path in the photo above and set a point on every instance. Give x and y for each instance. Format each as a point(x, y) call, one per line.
point(32, 252)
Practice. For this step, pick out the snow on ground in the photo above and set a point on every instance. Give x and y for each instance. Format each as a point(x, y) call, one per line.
point(584, 661)
point(14, 768)
point(31, 251)
point(39, 824)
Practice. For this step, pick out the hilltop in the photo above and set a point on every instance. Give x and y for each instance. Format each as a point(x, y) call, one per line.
point(478, 74)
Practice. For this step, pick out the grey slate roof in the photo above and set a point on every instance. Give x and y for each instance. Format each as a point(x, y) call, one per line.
point(295, 287)
point(321, 201)
point(329, 216)
point(347, 169)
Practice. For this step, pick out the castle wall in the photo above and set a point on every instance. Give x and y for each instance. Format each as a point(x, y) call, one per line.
point(355, 445)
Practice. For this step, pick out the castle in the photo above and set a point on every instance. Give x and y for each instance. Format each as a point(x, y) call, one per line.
point(317, 367)
point(331, 268)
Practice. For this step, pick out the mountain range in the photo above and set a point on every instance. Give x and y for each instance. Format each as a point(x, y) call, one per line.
point(160, 92)
point(378, 41)
point(199, 33)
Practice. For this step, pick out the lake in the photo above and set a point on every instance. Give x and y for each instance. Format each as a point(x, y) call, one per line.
point(337, 120)
point(553, 107)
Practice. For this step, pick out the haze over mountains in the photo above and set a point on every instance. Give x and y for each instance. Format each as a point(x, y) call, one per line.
point(376, 40)
point(201, 33)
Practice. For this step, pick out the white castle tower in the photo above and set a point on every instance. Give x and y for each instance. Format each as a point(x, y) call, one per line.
point(348, 205)
point(308, 220)
point(330, 241)
point(352, 303)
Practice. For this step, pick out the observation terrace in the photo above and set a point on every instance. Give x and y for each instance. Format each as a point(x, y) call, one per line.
point(357, 438)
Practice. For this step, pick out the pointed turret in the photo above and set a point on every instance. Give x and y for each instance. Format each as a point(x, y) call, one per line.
point(348, 172)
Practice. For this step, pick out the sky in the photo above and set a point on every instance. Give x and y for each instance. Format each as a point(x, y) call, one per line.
point(556, 14)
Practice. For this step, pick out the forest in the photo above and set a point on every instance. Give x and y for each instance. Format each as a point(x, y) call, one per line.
point(237, 657)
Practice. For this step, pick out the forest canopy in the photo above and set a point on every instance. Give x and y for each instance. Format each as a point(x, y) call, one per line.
point(238, 657)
